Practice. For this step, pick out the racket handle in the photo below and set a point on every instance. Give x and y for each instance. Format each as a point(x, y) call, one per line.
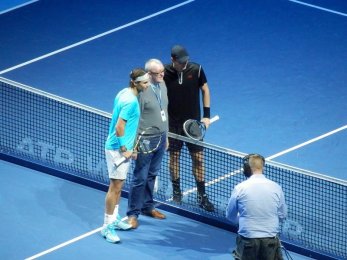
point(120, 161)
point(214, 119)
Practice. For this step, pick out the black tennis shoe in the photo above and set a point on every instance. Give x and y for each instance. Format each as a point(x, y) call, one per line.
point(177, 196)
point(205, 203)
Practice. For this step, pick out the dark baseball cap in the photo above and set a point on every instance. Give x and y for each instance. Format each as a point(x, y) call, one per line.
point(179, 53)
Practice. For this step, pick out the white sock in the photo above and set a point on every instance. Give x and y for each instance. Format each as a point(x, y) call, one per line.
point(115, 212)
point(108, 219)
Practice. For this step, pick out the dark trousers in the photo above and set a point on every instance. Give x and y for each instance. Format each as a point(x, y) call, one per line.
point(257, 248)
point(147, 167)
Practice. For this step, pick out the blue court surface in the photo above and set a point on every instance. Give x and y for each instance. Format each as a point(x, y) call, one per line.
point(276, 71)
point(41, 214)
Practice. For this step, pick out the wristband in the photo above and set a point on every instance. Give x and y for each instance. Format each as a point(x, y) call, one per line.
point(206, 112)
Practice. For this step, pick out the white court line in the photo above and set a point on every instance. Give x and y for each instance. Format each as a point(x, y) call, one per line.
point(18, 6)
point(96, 37)
point(318, 7)
point(275, 156)
point(307, 142)
point(64, 244)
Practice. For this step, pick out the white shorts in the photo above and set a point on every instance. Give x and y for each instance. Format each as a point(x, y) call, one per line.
point(117, 173)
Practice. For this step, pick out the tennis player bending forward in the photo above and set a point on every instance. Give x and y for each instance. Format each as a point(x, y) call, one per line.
point(120, 142)
point(257, 205)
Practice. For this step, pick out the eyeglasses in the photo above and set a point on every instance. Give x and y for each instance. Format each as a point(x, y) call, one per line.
point(156, 73)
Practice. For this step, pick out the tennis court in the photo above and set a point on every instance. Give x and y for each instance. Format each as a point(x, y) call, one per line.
point(276, 71)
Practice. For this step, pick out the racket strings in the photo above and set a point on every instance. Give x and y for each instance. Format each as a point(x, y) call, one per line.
point(195, 129)
point(149, 143)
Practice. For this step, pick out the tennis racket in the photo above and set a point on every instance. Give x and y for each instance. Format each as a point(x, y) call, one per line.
point(147, 142)
point(195, 129)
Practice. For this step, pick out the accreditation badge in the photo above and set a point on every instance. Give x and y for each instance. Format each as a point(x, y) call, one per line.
point(163, 116)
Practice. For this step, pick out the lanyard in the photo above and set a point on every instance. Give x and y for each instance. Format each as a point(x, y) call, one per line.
point(156, 94)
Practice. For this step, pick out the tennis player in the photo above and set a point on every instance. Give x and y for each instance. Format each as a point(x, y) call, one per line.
point(120, 141)
point(185, 81)
point(257, 205)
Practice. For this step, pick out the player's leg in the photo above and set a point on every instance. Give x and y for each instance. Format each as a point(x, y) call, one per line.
point(117, 222)
point(174, 166)
point(108, 230)
point(197, 155)
point(175, 147)
point(110, 202)
point(198, 165)
point(117, 176)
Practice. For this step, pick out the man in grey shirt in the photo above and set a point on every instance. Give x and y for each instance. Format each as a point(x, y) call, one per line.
point(153, 107)
point(257, 205)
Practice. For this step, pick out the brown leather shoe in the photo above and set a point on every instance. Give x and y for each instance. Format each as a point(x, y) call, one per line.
point(155, 214)
point(133, 222)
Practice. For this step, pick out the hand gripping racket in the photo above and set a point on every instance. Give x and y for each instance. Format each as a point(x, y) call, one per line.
point(147, 142)
point(195, 129)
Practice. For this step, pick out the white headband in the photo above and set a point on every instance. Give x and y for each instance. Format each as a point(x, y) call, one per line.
point(142, 78)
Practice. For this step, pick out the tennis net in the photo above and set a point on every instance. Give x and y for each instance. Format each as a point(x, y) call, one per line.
point(68, 137)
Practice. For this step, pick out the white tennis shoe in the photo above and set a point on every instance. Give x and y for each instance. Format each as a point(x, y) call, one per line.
point(109, 233)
